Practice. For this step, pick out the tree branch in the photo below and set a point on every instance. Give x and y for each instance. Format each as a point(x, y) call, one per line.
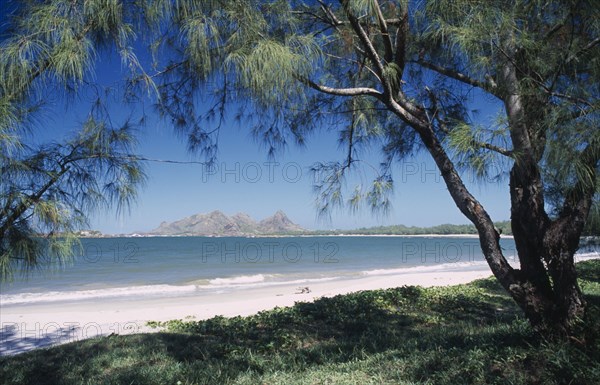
point(401, 33)
point(444, 128)
point(385, 34)
point(589, 46)
point(334, 21)
point(573, 99)
point(580, 196)
point(361, 65)
point(488, 86)
point(30, 200)
point(465, 201)
point(492, 147)
point(364, 38)
point(355, 91)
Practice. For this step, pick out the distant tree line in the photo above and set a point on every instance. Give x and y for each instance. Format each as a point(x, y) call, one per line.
point(443, 229)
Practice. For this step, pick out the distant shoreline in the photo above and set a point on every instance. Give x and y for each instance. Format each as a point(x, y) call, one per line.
point(217, 224)
point(135, 235)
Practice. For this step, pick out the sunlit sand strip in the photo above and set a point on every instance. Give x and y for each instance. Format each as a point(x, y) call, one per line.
point(27, 327)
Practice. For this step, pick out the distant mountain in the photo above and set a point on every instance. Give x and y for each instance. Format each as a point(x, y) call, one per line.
point(218, 224)
point(278, 223)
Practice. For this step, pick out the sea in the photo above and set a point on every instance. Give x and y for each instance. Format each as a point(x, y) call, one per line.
point(121, 268)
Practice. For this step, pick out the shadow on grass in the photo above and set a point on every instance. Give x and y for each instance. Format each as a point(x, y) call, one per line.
point(464, 334)
point(15, 337)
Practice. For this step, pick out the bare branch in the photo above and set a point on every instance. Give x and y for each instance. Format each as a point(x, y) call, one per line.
point(417, 111)
point(579, 198)
point(135, 158)
point(385, 34)
point(30, 200)
point(359, 64)
point(573, 99)
point(487, 86)
point(589, 46)
point(364, 38)
point(444, 128)
point(500, 150)
point(354, 91)
point(333, 19)
point(351, 138)
point(401, 34)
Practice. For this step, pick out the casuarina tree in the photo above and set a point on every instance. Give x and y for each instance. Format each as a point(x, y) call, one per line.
point(408, 74)
point(50, 184)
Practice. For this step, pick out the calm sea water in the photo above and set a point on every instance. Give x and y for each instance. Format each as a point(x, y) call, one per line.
point(163, 266)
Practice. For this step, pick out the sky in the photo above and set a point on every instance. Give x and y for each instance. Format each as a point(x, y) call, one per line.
point(247, 181)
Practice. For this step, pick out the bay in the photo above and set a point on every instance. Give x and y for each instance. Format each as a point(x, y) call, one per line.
point(119, 268)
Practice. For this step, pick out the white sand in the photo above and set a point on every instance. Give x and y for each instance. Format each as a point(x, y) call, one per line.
point(31, 326)
point(26, 327)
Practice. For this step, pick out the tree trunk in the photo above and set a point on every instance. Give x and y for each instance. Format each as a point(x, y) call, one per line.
point(548, 291)
point(545, 287)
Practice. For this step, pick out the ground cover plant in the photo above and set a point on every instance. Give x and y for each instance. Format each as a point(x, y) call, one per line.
point(465, 334)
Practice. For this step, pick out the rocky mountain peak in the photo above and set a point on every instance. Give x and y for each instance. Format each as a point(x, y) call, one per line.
point(216, 223)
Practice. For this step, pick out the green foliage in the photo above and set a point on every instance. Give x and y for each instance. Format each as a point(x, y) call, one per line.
point(467, 334)
point(46, 192)
point(48, 189)
point(394, 74)
point(486, 166)
point(554, 47)
point(288, 61)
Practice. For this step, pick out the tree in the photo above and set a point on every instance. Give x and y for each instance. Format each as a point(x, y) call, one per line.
point(402, 74)
point(405, 73)
point(49, 188)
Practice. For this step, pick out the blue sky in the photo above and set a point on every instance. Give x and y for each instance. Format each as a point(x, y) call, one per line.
point(246, 180)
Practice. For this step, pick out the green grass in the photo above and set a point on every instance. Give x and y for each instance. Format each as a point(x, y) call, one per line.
point(467, 334)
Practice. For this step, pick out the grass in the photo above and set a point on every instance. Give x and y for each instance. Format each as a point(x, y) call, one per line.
point(466, 334)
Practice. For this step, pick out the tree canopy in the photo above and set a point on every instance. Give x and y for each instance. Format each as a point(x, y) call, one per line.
point(49, 187)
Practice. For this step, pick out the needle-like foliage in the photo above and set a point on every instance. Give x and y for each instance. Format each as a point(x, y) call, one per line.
point(48, 189)
point(404, 75)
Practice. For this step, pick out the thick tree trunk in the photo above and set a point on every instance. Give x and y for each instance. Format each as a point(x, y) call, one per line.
point(547, 290)
point(545, 286)
point(550, 297)
point(560, 244)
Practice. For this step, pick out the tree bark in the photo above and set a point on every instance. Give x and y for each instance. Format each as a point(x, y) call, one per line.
point(545, 287)
point(548, 291)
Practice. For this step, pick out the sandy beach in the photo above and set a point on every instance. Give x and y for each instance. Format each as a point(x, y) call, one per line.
point(26, 327)
point(30, 326)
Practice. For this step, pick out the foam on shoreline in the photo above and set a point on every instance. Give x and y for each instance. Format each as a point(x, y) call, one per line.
point(215, 285)
point(29, 325)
